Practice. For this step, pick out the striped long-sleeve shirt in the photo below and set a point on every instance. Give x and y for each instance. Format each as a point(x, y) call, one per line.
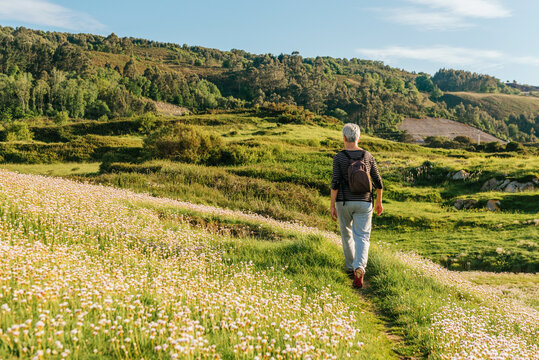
point(340, 175)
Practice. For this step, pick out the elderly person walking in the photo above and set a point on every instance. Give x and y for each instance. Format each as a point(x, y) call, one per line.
point(354, 173)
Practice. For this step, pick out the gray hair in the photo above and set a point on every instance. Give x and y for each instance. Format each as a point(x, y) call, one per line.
point(351, 132)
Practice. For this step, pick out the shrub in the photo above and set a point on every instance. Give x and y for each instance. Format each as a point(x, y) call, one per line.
point(18, 131)
point(148, 122)
point(119, 167)
point(339, 114)
point(465, 140)
point(231, 155)
point(182, 142)
point(494, 146)
point(98, 109)
point(514, 146)
point(427, 173)
point(61, 117)
point(121, 155)
point(29, 153)
point(407, 137)
point(438, 142)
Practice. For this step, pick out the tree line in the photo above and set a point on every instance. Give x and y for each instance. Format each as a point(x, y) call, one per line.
point(46, 73)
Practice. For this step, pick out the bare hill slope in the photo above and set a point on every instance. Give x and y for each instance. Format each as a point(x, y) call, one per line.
point(164, 108)
point(421, 128)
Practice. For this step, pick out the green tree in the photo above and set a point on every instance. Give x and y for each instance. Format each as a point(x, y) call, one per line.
point(513, 131)
point(436, 93)
point(130, 70)
point(22, 87)
point(18, 131)
point(424, 83)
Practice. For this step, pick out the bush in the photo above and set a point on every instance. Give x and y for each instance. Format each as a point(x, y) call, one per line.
point(97, 110)
point(231, 155)
point(119, 167)
point(494, 146)
point(426, 174)
point(18, 131)
point(182, 143)
point(339, 114)
point(465, 140)
point(121, 155)
point(87, 148)
point(514, 146)
point(292, 114)
point(29, 153)
point(148, 122)
point(61, 117)
point(438, 142)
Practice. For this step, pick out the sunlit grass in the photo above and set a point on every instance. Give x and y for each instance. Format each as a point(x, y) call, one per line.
point(86, 272)
point(59, 169)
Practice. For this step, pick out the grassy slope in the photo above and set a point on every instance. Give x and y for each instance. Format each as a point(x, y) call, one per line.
point(303, 265)
point(417, 217)
point(498, 105)
point(289, 181)
point(406, 295)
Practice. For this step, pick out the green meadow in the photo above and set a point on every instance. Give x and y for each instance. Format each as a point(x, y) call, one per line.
point(282, 170)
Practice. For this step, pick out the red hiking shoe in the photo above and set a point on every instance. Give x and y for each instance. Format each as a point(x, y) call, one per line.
point(358, 278)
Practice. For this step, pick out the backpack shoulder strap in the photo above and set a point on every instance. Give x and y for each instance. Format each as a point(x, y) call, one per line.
point(363, 154)
point(346, 154)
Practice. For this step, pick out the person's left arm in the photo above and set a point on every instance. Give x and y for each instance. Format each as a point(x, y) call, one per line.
point(378, 184)
point(335, 182)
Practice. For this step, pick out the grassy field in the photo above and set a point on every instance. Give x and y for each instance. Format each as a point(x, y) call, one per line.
point(266, 236)
point(115, 289)
point(501, 105)
point(61, 169)
point(288, 175)
point(131, 277)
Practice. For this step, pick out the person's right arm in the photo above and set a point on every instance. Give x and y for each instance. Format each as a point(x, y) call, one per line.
point(333, 208)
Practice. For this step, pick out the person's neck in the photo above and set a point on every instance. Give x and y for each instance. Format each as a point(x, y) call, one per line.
point(351, 146)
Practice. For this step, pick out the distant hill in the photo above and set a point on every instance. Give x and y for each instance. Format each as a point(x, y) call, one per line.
point(499, 106)
point(95, 77)
point(419, 129)
point(523, 87)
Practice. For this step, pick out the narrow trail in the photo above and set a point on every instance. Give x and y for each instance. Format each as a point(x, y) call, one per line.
point(389, 328)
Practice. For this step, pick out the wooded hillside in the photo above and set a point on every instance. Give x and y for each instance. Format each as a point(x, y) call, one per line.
point(88, 76)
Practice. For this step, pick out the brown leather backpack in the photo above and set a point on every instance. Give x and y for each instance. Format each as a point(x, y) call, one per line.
point(359, 179)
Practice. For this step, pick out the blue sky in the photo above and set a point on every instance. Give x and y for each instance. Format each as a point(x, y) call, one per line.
point(487, 36)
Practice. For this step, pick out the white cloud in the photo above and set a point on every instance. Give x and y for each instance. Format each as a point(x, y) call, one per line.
point(527, 60)
point(444, 14)
point(429, 20)
point(448, 56)
point(42, 12)
point(488, 9)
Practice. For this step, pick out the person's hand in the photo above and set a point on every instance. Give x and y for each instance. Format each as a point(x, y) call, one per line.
point(334, 213)
point(378, 208)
